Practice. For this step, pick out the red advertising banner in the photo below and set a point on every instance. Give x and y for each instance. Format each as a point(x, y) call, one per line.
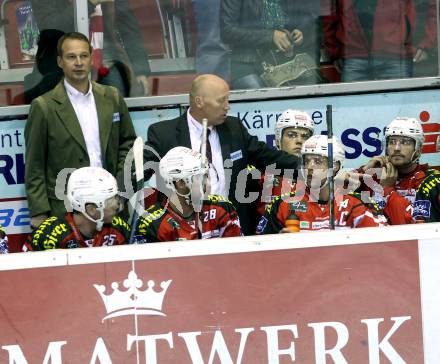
point(343, 304)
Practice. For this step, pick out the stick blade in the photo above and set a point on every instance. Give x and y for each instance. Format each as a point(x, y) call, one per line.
point(138, 152)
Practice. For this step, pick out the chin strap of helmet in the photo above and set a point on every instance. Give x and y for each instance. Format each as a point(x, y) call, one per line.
point(415, 156)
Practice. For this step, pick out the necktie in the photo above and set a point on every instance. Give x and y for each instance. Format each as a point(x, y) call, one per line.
point(208, 147)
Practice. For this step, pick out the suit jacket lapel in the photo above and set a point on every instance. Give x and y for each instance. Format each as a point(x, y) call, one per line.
point(104, 108)
point(67, 114)
point(182, 132)
point(225, 138)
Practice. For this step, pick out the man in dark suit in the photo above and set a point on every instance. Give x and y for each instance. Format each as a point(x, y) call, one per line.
point(232, 147)
point(77, 124)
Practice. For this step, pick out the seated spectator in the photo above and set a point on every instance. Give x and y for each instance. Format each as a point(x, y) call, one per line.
point(4, 248)
point(266, 33)
point(308, 207)
point(380, 39)
point(398, 173)
point(185, 215)
point(93, 195)
point(46, 74)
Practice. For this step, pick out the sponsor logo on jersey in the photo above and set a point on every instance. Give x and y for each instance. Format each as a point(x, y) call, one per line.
point(71, 244)
point(428, 186)
point(317, 225)
point(409, 194)
point(422, 208)
point(261, 225)
point(304, 225)
point(298, 206)
point(174, 223)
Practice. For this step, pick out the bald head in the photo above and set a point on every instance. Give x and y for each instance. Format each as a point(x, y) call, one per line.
point(209, 98)
point(205, 84)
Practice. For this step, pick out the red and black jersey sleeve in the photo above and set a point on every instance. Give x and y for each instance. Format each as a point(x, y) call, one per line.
point(147, 229)
point(275, 215)
point(49, 235)
point(427, 204)
point(224, 219)
point(363, 213)
point(122, 230)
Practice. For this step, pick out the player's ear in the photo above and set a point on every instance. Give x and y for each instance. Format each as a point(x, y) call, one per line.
point(198, 101)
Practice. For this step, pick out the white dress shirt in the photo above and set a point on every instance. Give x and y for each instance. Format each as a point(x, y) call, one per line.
point(216, 168)
point(85, 110)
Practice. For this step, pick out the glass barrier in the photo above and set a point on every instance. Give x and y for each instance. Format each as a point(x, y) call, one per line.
point(157, 47)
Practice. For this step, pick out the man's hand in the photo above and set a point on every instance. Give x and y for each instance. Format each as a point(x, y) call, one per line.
point(142, 80)
point(282, 40)
point(297, 37)
point(389, 175)
point(37, 220)
point(375, 162)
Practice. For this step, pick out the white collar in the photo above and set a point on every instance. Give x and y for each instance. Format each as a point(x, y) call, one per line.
point(72, 91)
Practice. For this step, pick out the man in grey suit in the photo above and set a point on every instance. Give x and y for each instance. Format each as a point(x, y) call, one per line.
point(77, 124)
point(232, 147)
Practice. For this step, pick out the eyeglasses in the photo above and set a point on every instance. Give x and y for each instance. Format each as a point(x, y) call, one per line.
point(317, 160)
point(400, 140)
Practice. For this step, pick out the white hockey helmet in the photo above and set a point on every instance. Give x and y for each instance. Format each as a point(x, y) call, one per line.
point(181, 163)
point(318, 145)
point(292, 119)
point(91, 185)
point(408, 127)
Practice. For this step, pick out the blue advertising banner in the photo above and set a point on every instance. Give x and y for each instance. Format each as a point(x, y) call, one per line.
point(358, 120)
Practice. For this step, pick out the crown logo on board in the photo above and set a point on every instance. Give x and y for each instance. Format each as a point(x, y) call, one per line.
point(133, 300)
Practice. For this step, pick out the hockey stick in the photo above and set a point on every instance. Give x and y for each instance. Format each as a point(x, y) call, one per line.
point(138, 154)
point(203, 145)
point(205, 164)
point(330, 177)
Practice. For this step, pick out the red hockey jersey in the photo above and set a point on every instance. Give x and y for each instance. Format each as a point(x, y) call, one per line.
point(272, 186)
point(350, 212)
point(397, 201)
point(219, 219)
point(56, 233)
